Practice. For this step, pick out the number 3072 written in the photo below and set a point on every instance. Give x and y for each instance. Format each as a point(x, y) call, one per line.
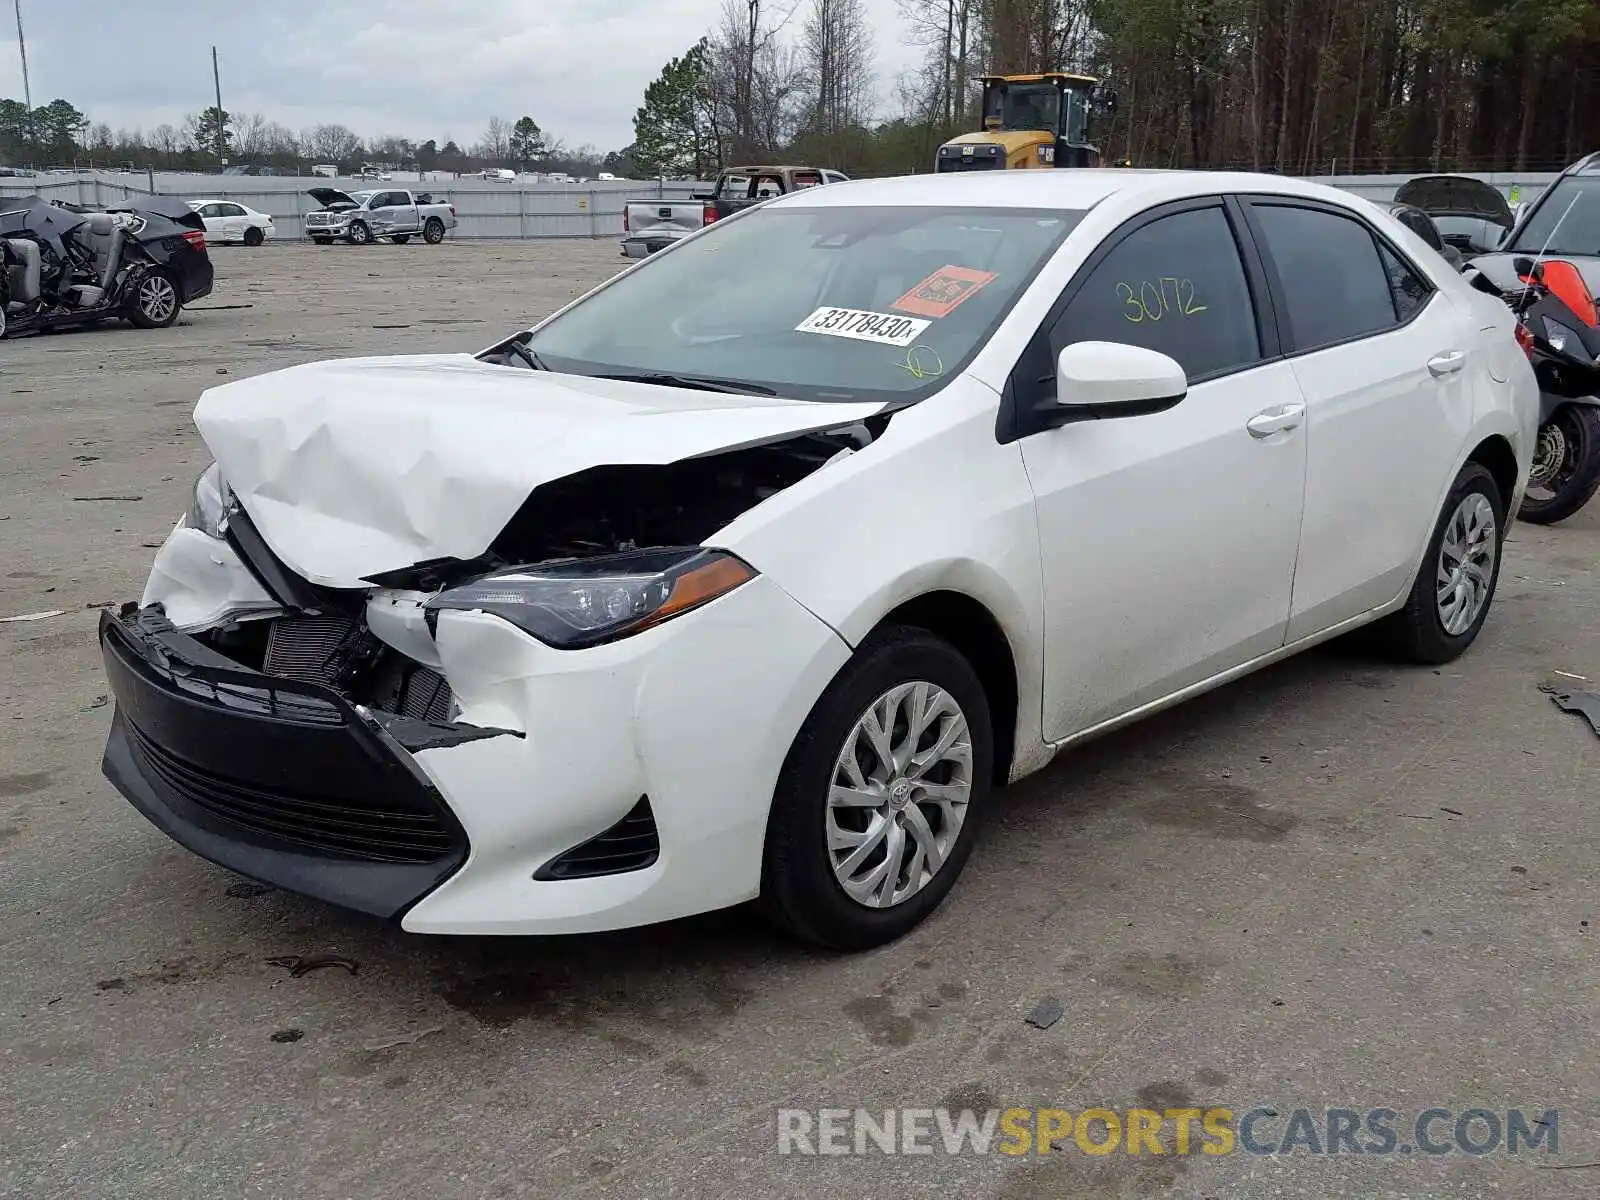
point(1153, 300)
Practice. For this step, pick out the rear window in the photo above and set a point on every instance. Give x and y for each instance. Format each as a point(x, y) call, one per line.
point(733, 187)
point(829, 303)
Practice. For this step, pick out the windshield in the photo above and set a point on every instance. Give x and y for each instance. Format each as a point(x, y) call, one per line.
point(1031, 106)
point(362, 197)
point(1579, 231)
point(827, 303)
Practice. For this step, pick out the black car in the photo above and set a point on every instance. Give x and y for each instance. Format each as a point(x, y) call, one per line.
point(60, 268)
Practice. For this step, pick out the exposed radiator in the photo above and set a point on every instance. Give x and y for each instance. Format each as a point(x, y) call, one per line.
point(426, 696)
point(303, 647)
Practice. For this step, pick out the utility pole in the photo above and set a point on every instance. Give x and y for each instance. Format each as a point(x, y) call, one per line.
point(216, 79)
point(27, 93)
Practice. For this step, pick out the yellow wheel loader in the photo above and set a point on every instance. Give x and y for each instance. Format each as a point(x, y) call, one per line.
point(1032, 122)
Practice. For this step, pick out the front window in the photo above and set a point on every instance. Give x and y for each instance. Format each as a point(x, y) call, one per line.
point(1579, 231)
point(828, 303)
point(1030, 106)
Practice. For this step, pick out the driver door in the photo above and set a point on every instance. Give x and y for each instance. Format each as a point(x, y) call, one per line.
point(1167, 540)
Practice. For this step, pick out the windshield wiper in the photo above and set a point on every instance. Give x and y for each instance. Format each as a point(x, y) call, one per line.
point(700, 383)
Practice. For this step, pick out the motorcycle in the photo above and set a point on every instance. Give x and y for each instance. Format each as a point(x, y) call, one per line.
point(62, 267)
point(1558, 327)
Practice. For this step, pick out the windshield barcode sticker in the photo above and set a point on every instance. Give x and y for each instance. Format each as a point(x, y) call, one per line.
point(864, 326)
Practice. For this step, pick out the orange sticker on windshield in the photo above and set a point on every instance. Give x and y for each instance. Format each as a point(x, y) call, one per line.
point(940, 293)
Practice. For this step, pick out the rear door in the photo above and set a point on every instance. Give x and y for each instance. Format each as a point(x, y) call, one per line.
point(234, 221)
point(1384, 361)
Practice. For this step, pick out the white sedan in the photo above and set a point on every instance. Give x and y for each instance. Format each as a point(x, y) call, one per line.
point(753, 572)
point(228, 221)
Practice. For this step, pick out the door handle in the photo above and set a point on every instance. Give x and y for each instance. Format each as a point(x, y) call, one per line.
point(1278, 419)
point(1447, 363)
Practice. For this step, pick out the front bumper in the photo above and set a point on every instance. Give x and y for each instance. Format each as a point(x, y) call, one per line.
point(279, 780)
point(553, 750)
point(331, 231)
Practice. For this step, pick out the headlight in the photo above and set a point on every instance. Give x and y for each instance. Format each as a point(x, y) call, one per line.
point(570, 605)
point(208, 506)
point(1561, 337)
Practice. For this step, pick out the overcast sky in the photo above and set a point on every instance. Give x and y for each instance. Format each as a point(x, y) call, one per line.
point(413, 68)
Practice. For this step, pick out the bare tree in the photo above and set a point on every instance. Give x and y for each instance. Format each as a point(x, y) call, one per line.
point(836, 53)
point(496, 143)
point(331, 143)
point(250, 134)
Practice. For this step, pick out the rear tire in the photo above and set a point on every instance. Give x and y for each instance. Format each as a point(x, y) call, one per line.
point(155, 303)
point(1575, 430)
point(1456, 582)
point(360, 234)
point(400, 239)
point(253, 236)
point(927, 701)
point(433, 231)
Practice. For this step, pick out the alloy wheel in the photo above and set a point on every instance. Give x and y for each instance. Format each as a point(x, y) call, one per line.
point(899, 794)
point(1465, 571)
point(157, 298)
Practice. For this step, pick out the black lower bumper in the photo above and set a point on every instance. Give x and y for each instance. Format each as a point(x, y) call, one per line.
point(283, 781)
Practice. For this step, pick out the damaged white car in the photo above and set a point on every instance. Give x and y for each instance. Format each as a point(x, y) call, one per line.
point(630, 616)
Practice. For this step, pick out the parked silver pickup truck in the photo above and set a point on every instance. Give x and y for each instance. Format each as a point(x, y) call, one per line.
point(651, 225)
point(363, 217)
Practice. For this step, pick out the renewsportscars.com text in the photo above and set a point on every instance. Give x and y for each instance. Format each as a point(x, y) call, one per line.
point(1265, 1130)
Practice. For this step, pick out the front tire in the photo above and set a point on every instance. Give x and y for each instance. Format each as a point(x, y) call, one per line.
point(155, 303)
point(1455, 585)
point(253, 236)
point(433, 231)
point(360, 234)
point(1566, 465)
point(878, 802)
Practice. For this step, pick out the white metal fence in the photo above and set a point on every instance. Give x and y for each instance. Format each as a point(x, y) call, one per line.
point(509, 210)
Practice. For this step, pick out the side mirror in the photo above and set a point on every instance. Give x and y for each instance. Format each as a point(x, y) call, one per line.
point(1104, 380)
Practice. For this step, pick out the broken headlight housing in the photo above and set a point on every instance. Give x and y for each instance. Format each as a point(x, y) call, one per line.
point(584, 602)
point(209, 503)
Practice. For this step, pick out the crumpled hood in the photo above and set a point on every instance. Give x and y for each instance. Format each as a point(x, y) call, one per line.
point(360, 466)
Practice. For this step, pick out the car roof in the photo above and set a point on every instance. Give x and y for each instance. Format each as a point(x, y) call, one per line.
point(1066, 188)
point(1589, 164)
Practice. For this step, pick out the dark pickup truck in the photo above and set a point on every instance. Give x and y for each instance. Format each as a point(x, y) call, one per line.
point(651, 225)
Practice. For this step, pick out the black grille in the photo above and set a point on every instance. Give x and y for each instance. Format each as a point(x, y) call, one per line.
point(632, 844)
point(354, 828)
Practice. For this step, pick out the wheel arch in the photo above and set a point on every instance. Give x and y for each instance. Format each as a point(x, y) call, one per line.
point(977, 635)
point(1495, 455)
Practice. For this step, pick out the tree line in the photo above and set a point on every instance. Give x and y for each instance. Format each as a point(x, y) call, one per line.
point(59, 134)
point(1293, 86)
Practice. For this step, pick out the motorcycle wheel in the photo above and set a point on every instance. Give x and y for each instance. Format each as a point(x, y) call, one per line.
point(1566, 465)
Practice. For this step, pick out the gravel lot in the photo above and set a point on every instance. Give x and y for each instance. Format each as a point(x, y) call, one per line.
point(1335, 884)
